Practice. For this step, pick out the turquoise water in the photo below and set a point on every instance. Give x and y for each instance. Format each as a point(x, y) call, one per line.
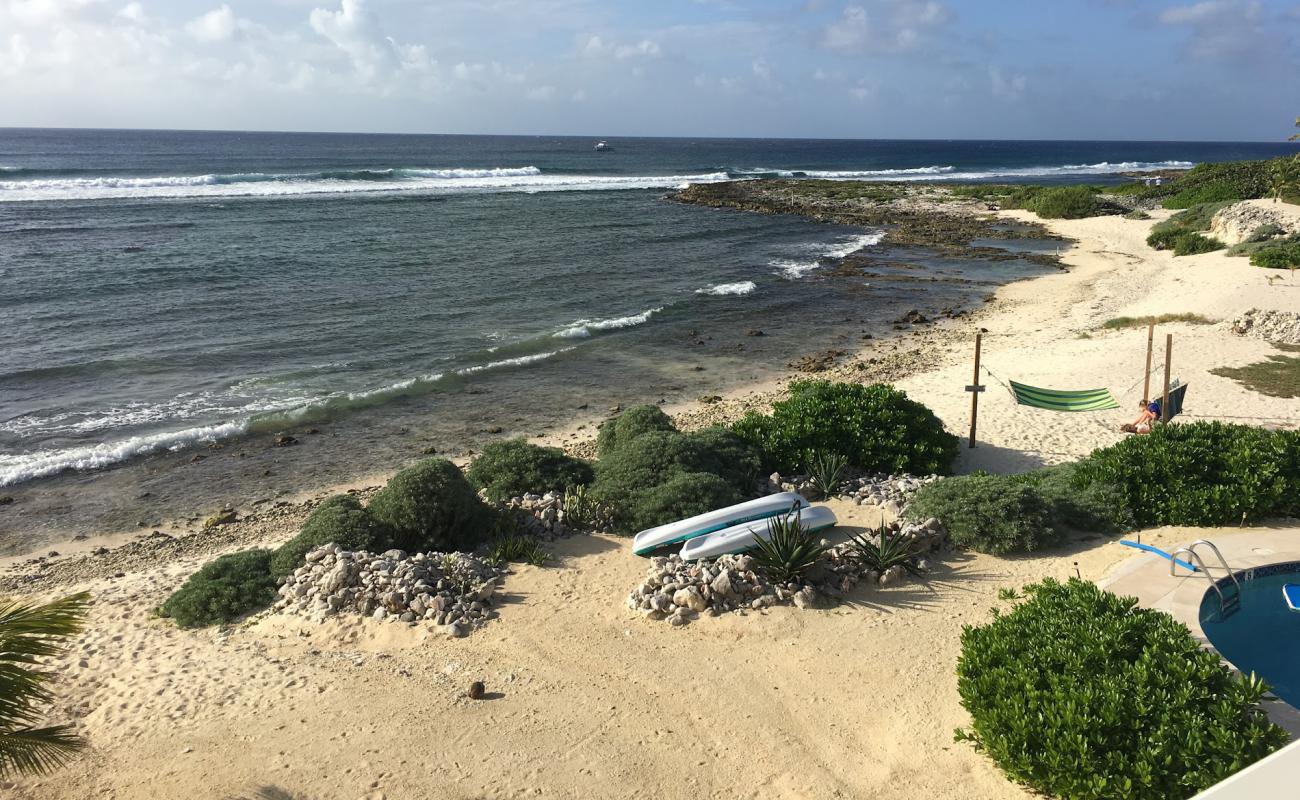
point(1264, 635)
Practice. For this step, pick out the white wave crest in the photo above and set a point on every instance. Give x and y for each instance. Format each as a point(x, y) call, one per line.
point(43, 463)
point(393, 181)
point(723, 289)
point(794, 269)
point(583, 328)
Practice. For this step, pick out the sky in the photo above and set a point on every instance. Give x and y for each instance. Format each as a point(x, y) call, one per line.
point(945, 69)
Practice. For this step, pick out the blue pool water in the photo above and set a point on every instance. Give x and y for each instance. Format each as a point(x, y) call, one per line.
point(1264, 635)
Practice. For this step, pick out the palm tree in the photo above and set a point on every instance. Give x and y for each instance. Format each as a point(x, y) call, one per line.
point(29, 633)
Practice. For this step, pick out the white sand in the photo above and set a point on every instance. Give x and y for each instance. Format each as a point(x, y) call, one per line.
point(592, 701)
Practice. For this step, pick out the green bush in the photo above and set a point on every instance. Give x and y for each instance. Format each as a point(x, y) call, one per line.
point(1000, 514)
point(339, 520)
point(682, 495)
point(1078, 693)
point(513, 467)
point(989, 513)
point(431, 506)
point(661, 476)
point(1190, 244)
point(630, 424)
point(1137, 213)
point(1066, 202)
point(1201, 473)
point(223, 590)
point(1284, 255)
point(1209, 183)
point(877, 428)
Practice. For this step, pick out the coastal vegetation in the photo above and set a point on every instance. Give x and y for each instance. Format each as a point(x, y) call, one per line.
point(432, 506)
point(885, 550)
point(1049, 202)
point(874, 428)
point(511, 547)
point(223, 590)
point(1122, 323)
point(788, 551)
point(513, 467)
point(1277, 376)
point(1079, 693)
point(340, 520)
point(30, 634)
point(1216, 183)
point(1022, 513)
point(1182, 232)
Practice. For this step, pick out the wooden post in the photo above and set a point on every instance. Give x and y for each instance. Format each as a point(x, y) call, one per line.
point(1146, 376)
point(1164, 404)
point(975, 389)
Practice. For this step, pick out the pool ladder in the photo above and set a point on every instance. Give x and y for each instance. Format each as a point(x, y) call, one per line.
point(1228, 604)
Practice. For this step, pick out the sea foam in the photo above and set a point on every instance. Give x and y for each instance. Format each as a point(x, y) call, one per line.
point(723, 289)
point(583, 328)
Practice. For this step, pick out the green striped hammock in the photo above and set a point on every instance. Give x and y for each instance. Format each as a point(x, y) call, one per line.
point(1056, 400)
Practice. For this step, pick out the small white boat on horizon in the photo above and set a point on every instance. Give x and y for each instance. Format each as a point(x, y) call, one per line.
point(603, 146)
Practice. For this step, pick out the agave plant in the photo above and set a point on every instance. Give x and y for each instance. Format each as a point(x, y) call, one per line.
point(518, 549)
point(891, 551)
point(29, 633)
point(826, 470)
point(581, 509)
point(788, 551)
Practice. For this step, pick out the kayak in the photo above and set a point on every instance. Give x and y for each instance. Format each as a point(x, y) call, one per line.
point(739, 538)
point(1291, 593)
point(652, 539)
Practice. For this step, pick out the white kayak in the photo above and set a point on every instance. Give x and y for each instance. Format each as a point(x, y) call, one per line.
point(652, 539)
point(739, 538)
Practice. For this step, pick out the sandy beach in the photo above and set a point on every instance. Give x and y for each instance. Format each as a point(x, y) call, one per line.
point(586, 699)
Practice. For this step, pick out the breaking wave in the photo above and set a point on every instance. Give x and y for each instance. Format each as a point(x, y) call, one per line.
point(796, 268)
point(724, 289)
point(583, 328)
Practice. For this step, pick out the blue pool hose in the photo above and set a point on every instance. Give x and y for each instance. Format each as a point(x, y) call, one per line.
point(1159, 552)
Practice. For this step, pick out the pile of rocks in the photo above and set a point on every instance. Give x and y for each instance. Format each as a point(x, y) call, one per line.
point(890, 492)
point(452, 590)
point(1271, 326)
point(540, 515)
point(679, 591)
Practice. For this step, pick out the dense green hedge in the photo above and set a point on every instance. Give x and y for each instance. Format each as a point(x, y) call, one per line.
point(431, 506)
point(339, 520)
point(1182, 232)
point(1066, 202)
point(1000, 514)
point(1078, 693)
point(513, 467)
point(1282, 255)
point(660, 475)
point(223, 590)
point(629, 425)
point(1201, 473)
point(1215, 183)
point(876, 428)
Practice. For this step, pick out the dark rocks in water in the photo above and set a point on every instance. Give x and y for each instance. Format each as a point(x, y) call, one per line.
point(6, 500)
point(133, 248)
point(198, 458)
point(817, 362)
point(754, 332)
point(697, 368)
point(913, 317)
point(493, 429)
point(313, 431)
point(284, 440)
point(867, 336)
point(476, 691)
point(430, 451)
point(709, 399)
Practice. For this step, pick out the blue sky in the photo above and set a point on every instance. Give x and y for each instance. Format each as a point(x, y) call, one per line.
point(1107, 69)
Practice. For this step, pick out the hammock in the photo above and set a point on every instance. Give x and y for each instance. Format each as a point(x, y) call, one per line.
point(1056, 400)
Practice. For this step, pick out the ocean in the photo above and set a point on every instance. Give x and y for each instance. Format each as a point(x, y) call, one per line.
point(172, 300)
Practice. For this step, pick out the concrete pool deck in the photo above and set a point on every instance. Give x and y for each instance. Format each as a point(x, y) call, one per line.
point(1146, 577)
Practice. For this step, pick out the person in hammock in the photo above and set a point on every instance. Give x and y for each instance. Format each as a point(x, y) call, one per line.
point(1149, 414)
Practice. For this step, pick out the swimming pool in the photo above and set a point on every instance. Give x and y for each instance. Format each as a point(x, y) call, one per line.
point(1263, 636)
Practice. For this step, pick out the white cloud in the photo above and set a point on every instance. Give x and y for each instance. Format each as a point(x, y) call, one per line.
point(884, 25)
point(598, 47)
point(541, 93)
point(132, 11)
point(1007, 86)
point(217, 25)
point(761, 69)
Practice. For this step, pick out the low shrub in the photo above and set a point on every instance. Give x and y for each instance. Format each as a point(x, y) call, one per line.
point(988, 513)
point(1079, 693)
point(661, 476)
point(339, 520)
point(1137, 213)
point(1284, 255)
point(876, 428)
point(1066, 202)
point(1120, 323)
point(517, 549)
point(1190, 244)
point(223, 590)
point(630, 424)
point(1001, 514)
point(513, 467)
point(431, 506)
point(1263, 233)
point(787, 551)
point(1201, 473)
point(1207, 183)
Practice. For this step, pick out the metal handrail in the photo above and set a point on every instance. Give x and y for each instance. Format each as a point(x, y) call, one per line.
point(1195, 557)
point(1191, 548)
